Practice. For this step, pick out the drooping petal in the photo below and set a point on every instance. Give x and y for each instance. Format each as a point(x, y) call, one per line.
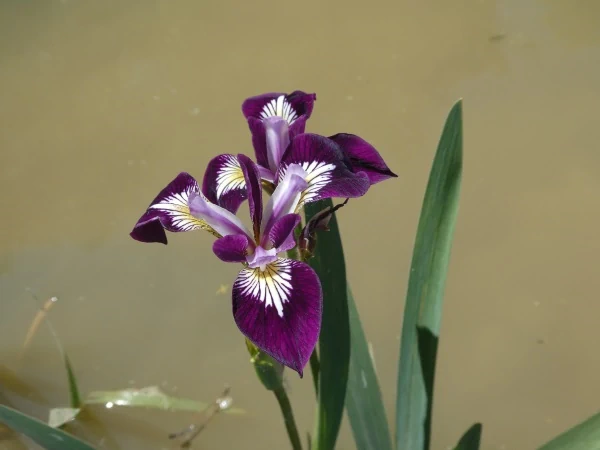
point(254, 188)
point(327, 174)
point(281, 235)
point(223, 222)
point(224, 182)
point(170, 210)
point(279, 310)
point(294, 108)
point(363, 157)
point(285, 198)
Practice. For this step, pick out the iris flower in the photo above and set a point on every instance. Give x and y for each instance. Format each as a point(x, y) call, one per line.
point(275, 121)
point(277, 302)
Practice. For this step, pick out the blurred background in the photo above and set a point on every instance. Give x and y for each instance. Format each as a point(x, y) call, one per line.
point(103, 103)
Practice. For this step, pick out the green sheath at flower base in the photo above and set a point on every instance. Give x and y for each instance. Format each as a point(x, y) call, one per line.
point(269, 371)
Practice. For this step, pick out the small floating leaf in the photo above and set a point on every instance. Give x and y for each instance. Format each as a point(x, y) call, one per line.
point(148, 397)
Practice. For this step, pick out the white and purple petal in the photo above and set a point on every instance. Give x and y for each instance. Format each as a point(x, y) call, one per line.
point(327, 174)
point(363, 157)
point(294, 108)
point(224, 182)
point(279, 310)
point(281, 234)
point(223, 222)
point(232, 248)
point(170, 210)
point(254, 188)
point(286, 197)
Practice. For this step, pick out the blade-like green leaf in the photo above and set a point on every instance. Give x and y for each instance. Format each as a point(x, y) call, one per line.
point(73, 389)
point(423, 308)
point(363, 397)
point(334, 341)
point(585, 436)
point(44, 435)
point(471, 439)
point(148, 397)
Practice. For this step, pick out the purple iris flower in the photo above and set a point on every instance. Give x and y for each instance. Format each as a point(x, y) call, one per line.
point(277, 302)
point(275, 121)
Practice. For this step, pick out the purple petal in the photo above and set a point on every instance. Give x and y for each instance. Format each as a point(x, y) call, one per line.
point(327, 174)
point(221, 221)
point(259, 140)
point(224, 182)
point(285, 198)
point(294, 108)
point(252, 178)
point(363, 157)
point(289, 107)
point(279, 310)
point(281, 235)
point(232, 248)
point(170, 210)
point(261, 258)
point(278, 139)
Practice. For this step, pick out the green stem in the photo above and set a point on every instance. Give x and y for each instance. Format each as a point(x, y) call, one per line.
point(315, 366)
point(288, 417)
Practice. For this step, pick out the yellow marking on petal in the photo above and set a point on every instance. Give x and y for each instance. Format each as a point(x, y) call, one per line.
point(230, 176)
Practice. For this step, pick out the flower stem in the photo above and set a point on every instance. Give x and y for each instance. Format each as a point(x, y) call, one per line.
point(315, 367)
point(288, 417)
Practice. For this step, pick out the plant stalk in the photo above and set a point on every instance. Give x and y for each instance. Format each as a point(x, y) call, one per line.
point(288, 417)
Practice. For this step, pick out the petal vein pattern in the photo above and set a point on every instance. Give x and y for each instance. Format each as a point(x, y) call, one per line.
point(271, 286)
point(279, 107)
point(230, 176)
point(176, 206)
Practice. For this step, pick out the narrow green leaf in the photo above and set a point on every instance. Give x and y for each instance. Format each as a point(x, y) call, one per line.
point(585, 436)
point(334, 341)
point(73, 389)
point(363, 397)
point(471, 439)
point(148, 397)
point(423, 307)
point(44, 435)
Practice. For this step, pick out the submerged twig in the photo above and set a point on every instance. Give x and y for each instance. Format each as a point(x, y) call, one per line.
point(221, 403)
point(37, 321)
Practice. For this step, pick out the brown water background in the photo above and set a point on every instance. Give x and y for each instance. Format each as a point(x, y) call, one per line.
point(102, 103)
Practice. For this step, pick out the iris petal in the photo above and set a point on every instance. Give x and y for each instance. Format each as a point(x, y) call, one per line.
point(363, 157)
point(224, 182)
point(279, 310)
point(170, 210)
point(232, 248)
point(220, 220)
point(327, 174)
point(285, 198)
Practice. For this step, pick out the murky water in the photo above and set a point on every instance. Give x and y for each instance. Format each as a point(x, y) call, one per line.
point(102, 103)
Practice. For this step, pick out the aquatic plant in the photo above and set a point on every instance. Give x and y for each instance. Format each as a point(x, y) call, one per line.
point(298, 308)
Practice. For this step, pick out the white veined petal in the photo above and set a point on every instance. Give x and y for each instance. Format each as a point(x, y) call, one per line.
point(272, 287)
point(176, 207)
point(279, 107)
point(319, 174)
point(230, 176)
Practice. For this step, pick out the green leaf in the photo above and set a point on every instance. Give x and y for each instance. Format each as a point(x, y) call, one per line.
point(44, 435)
point(363, 397)
point(423, 307)
point(334, 341)
point(148, 397)
point(73, 390)
point(585, 436)
point(471, 439)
